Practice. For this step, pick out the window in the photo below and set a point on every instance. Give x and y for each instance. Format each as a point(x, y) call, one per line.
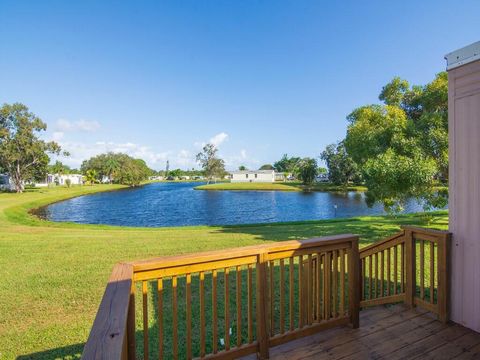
point(256, 175)
point(246, 175)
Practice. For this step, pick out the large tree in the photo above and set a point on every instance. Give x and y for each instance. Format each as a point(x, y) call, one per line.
point(286, 164)
point(341, 168)
point(213, 166)
point(306, 170)
point(22, 153)
point(401, 146)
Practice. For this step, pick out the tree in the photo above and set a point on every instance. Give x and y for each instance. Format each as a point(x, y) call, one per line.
point(212, 165)
point(242, 168)
point(401, 146)
point(306, 170)
point(267, 167)
point(341, 168)
point(59, 168)
point(286, 164)
point(22, 154)
point(91, 176)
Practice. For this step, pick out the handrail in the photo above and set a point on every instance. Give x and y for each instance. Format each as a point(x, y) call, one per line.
point(295, 288)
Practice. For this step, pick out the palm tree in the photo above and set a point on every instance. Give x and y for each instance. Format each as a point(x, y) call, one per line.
point(91, 176)
point(112, 166)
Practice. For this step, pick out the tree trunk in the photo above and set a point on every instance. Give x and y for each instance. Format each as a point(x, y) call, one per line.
point(17, 179)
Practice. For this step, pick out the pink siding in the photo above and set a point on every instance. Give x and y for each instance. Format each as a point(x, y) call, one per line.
point(464, 202)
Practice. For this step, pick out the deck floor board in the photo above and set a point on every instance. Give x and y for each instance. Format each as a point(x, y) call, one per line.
point(386, 332)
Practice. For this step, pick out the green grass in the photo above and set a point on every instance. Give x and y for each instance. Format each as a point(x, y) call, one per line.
point(279, 186)
point(53, 275)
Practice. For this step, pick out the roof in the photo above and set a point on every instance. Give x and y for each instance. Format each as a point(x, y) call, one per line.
point(252, 172)
point(463, 56)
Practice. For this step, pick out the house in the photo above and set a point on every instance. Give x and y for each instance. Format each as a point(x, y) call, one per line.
point(61, 179)
point(265, 176)
point(6, 183)
point(280, 176)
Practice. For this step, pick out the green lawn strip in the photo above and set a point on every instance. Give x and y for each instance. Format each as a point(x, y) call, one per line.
point(54, 275)
point(280, 186)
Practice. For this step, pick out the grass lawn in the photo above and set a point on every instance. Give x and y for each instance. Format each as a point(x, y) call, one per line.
point(279, 186)
point(53, 275)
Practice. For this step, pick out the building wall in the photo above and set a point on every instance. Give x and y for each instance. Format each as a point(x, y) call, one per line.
point(261, 177)
point(464, 187)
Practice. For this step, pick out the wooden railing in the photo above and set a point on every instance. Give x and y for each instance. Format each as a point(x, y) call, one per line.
point(229, 303)
point(409, 267)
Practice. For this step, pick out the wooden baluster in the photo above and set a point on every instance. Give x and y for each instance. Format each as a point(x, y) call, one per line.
point(145, 318)
point(432, 272)
point(319, 289)
point(189, 315)
point(388, 272)
point(370, 276)
point(375, 287)
point(214, 312)
point(327, 268)
point(403, 264)
point(364, 278)
point(175, 317)
point(443, 272)
point(353, 277)
point(335, 283)
point(342, 282)
point(262, 334)
point(272, 300)
point(239, 306)
point(395, 269)
point(410, 267)
point(422, 269)
point(282, 296)
point(309, 289)
point(300, 291)
point(227, 311)
point(250, 305)
point(382, 272)
point(291, 289)
point(202, 314)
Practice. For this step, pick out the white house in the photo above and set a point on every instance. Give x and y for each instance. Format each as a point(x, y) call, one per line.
point(265, 176)
point(6, 183)
point(60, 179)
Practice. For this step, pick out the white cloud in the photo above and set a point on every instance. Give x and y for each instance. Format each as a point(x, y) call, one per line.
point(58, 135)
point(218, 139)
point(80, 125)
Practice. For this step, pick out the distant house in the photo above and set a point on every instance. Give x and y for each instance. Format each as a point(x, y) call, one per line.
point(61, 179)
point(280, 176)
point(265, 176)
point(6, 183)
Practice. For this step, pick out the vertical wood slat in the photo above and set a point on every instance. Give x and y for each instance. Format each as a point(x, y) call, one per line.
point(189, 315)
point(375, 286)
point(319, 289)
point(443, 270)
point(175, 317)
point(327, 285)
point(309, 289)
point(145, 318)
point(227, 310)
point(389, 275)
point(395, 269)
point(202, 314)
point(272, 299)
point(214, 312)
point(370, 277)
point(353, 278)
point(282, 296)
point(131, 323)
point(239, 306)
point(364, 278)
point(342, 282)
point(250, 305)
point(432, 272)
point(382, 272)
point(300, 291)
point(422, 269)
point(402, 268)
point(410, 276)
point(160, 317)
point(335, 283)
point(291, 285)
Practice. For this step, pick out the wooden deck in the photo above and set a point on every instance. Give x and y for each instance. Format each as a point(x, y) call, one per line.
point(386, 332)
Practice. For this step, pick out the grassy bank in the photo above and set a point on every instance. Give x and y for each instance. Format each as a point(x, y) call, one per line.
point(279, 186)
point(53, 275)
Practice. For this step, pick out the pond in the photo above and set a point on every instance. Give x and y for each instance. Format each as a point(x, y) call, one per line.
point(178, 204)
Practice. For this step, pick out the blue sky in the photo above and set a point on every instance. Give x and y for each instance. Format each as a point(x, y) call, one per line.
point(156, 79)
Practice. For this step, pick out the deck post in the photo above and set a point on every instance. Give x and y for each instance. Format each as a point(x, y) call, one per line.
point(354, 284)
point(410, 269)
point(443, 271)
point(131, 325)
point(262, 334)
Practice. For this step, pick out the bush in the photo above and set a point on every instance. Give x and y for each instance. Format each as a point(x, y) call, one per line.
point(68, 182)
